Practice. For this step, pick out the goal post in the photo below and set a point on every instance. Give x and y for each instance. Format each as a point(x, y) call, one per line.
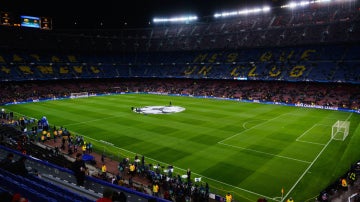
point(340, 130)
point(79, 95)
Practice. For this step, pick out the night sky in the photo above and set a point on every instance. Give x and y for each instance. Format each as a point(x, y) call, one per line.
point(114, 14)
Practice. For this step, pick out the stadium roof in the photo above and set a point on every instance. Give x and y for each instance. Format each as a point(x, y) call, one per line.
point(117, 13)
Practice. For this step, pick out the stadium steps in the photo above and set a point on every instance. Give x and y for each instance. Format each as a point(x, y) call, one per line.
point(50, 189)
point(13, 185)
point(65, 186)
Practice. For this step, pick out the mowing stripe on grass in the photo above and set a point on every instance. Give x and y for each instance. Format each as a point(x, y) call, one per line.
point(252, 127)
point(246, 122)
point(94, 120)
point(310, 142)
point(307, 169)
point(260, 129)
point(266, 153)
point(298, 139)
point(154, 160)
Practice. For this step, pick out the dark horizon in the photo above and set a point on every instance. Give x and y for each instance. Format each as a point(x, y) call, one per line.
point(117, 14)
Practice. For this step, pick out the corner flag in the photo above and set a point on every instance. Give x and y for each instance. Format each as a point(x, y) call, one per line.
point(282, 191)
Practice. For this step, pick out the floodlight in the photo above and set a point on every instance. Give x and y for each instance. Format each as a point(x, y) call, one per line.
point(175, 19)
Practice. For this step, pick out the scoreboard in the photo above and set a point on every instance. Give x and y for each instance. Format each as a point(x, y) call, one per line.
point(45, 23)
point(8, 19)
point(29, 21)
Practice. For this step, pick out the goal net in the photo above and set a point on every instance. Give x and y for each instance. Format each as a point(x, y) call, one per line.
point(340, 130)
point(79, 95)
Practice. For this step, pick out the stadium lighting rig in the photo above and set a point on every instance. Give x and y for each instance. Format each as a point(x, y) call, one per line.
point(246, 11)
point(303, 3)
point(298, 4)
point(180, 19)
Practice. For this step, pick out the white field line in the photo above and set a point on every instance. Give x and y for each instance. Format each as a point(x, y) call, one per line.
point(217, 181)
point(245, 190)
point(266, 153)
point(220, 142)
point(78, 123)
point(310, 142)
point(320, 124)
point(243, 148)
point(246, 122)
point(235, 187)
point(305, 132)
point(93, 120)
point(298, 138)
point(307, 169)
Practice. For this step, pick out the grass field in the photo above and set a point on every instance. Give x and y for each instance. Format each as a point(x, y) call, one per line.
point(251, 150)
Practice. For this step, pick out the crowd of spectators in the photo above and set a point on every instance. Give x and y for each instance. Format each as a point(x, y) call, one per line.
point(340, 95)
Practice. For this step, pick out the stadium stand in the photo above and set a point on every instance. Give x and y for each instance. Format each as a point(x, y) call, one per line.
point(49, 177)
point(308, 56)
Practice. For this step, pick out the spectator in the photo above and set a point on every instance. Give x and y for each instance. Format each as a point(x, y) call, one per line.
point(79, 169)
point(130, 181)
point(344, 184)
point(352, 177)
point(188, 173)
point(324, 197)
point(290, 200)
point(122, 197)
point(155, 189)
point(228, 197)
point(19, 167)
point(113, 180)
point(6, 162)
point(103, 170)
point(167, 195)
point(119, 197)
point(107, 196)
point(18, 198)
point(132, 169)
point(83, 149)
point(142, 160)
point(102, 158)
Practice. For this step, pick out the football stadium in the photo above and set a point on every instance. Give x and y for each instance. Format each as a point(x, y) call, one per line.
point(252, 104)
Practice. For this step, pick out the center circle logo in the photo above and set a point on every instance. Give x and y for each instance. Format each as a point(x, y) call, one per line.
point(158, 109)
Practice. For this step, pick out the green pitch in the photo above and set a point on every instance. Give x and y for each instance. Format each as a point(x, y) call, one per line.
point(251, 150)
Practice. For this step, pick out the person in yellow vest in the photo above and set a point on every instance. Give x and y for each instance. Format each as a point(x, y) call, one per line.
point(42, 138)
point(48, 135)
point(60, 132)
point(290, 200)
point(44, 134)
point(132, 169)
point(155, 189)
point(83, 148)
point(55, 135)
point(228, 197)
point(344, 184)
point(103, 170)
